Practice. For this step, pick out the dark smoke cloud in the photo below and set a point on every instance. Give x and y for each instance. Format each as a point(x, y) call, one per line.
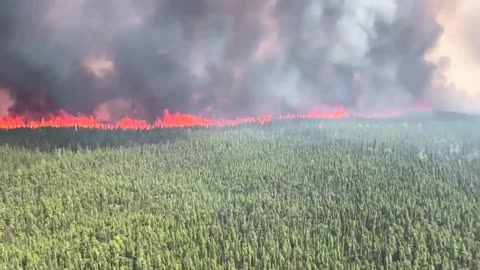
point(223, 57)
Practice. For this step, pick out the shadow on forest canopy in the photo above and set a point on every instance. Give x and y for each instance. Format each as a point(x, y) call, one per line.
point(47, 139)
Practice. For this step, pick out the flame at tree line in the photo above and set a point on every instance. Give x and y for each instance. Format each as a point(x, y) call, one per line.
point(178, 120)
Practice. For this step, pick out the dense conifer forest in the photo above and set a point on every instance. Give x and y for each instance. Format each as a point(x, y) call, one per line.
point(285, 195)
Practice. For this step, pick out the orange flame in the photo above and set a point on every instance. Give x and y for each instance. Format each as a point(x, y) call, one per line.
point(178, 120)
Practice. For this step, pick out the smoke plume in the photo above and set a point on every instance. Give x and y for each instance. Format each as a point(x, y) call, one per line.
point(456, 81)
point(226, 58)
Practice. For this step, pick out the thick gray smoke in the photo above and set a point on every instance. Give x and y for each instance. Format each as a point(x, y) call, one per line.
point(219, 57)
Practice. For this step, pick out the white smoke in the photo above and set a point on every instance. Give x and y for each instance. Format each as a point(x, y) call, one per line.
point(356, 29)
point(5, 102)
point(456, 83)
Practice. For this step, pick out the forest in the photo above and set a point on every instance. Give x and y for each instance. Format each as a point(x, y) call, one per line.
point(303, 194)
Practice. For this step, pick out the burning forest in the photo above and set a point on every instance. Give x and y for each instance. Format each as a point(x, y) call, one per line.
point(102, 166)
point(65, 120)
point(126, 63)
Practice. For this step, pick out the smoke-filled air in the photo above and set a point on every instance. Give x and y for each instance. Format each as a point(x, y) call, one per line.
point(227, 58)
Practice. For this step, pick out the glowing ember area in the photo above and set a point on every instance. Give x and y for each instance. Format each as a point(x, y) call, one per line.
point(178, 120)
